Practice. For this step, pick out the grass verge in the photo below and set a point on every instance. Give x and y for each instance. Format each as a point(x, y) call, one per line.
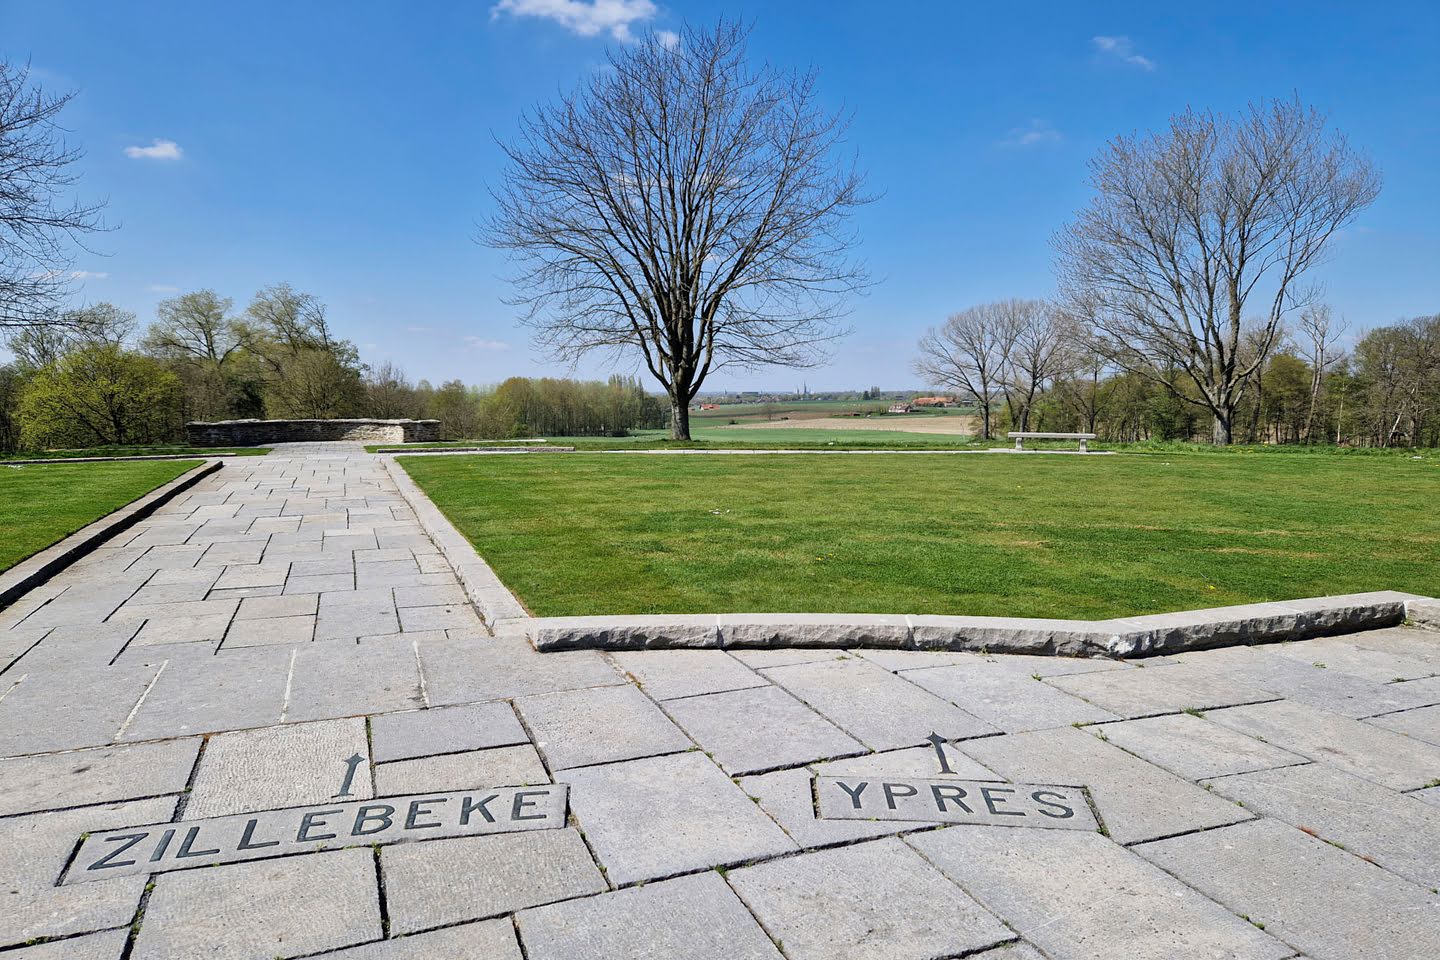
point(44, 503)
point(1073, 537)
point(129, 451)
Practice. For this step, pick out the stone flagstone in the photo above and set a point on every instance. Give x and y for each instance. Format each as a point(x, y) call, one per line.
point(422, 733)
point(1329, 903)
point(1078, 896)
point(1192, 747)
point(875, 706)
point(287, 766)
point(102, 775)
point(750, 731)
point(688, 918)
point(440, 882)
point(1391, 829)
point(872, 900)
point(662, 816)
point(1136, 801)
point(599, 725)
point(248, 910)
point(1354, 746)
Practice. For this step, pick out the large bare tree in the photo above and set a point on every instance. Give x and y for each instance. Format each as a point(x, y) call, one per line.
point(39, 223)
point(970, 353)
point(1203, 231)
point(1321, 348)
point(1038, 353)
point(685, 208)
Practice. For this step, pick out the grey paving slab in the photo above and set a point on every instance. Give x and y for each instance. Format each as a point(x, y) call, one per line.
point(339, 680)
point(247, 911)
point(486, 940)
point(328, 565)
point(276, 631)
point(103, 775)
point(496, 767)
point(598, 725)
point(323, 583)
point(235, 551)
point(688, 918)
point(274, 607)
point(667, 674)
point(661, 816)
point(464, 671)
point(282, 766)
point(1316, 684)
point(176, 611)
point(1024, 664)
point(439, 596)
point(784, 656)
point(109, 945)
point(1328, 903)
point(875, 706)
point(787, 797)
point(37, 845)
point(201, 629)
point(1430, 795)
point(876, 899)
point(1005, 697)
point(1410, 642)
point(1354, 746)
point(356, 613)
point(83, 706)
point(422, 733)
point(1349, 656)
point(174, 592)
point(200, 694)
point(1394, 830)
point(751, 731)
point(473, 878)
point(1136, 801)
point(1422, 723)
point(1163, 688)
point(1193, 748)
point(1079, 896)
point(455, 616)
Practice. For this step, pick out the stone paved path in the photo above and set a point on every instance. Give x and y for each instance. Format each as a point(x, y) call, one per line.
point(233, 653)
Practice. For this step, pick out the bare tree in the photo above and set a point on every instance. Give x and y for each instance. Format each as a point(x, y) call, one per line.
point(1036, 355)
point(1322, 335)
point(970, 353)
point(39, 344)
point(1198, 229)
point(684, 207)
point(39, 225)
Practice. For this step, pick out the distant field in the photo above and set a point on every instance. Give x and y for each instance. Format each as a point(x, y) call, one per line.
point(855, 435)
point(948, 426)
point(1038, 536)
point(43, 503)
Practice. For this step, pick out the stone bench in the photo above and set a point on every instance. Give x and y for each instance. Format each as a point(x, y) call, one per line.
point(1021, 437)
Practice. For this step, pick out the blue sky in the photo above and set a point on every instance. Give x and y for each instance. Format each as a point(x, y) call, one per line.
point(345, 147)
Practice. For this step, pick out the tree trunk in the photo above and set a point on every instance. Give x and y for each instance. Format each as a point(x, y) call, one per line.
point(679, 419)
point(1223, 431)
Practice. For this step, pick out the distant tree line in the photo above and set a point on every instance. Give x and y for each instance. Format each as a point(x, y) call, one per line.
point(1028, 365)
point(94, 378)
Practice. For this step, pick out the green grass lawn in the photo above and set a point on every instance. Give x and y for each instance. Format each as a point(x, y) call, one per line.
point(1035, 536)
point(135, 451)
point(43, 503)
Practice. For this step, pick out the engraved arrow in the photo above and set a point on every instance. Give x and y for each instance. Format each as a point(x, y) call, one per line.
point(939, 743)
point(351, 766)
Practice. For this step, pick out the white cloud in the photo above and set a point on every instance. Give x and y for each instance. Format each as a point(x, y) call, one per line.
point(88, 275)
point(163, 288)
point(419, 329)
point(588, 19)
point(669, 39)
point(1123, 49)
point(1033, 134)
point(480, 343)
point(158, 150)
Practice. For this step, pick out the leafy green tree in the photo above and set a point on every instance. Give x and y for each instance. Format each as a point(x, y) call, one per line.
point(100, 394)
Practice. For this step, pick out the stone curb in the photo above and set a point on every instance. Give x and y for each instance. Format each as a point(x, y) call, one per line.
point(148, 456)
point(33, 571)
point(491, 598)
point(1146, 636)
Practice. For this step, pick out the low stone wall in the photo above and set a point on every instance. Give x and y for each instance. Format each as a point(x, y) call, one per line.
point(1144, 636)
point(249, 433)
